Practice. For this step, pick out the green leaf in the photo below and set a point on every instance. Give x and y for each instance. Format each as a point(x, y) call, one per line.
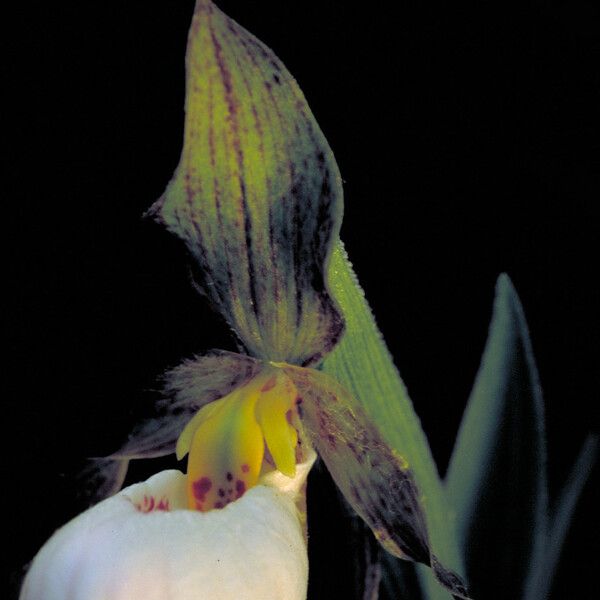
point(542, 572)
point(497, 475)
point(257, 194)
point(363, 364)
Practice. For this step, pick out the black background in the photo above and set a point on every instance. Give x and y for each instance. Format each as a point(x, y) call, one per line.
point(467, 137)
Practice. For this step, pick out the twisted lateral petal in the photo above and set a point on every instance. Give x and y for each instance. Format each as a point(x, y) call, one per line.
point(374, 478)
point(143, 545)
point(200, 380)
point(190, 386)
point(257, 194)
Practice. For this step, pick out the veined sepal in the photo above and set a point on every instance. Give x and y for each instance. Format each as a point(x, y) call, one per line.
point(257, 194)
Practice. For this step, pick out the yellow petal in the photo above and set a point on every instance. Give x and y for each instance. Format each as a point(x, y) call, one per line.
point(226, 452)
point(277, 398)
point(187, 435)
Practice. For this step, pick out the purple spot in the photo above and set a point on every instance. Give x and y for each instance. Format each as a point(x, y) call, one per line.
point(240, 488)
point(201, 487)
point(269, 385)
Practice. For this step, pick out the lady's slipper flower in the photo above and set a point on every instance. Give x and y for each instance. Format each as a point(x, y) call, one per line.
point(145, 544)
point(257, 199)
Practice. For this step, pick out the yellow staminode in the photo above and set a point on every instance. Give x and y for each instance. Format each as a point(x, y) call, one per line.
point(226, 440)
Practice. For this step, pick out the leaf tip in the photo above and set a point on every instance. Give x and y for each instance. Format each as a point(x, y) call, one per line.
point(505, 288)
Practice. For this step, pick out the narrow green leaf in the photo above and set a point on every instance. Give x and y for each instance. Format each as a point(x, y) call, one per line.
point(542, 572)
point(362, 363)
point(497, 475)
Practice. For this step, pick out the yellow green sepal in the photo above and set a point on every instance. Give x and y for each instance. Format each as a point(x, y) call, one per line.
point(257, 194)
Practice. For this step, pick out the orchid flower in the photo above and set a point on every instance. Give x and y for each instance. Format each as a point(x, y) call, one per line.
point(257, 199)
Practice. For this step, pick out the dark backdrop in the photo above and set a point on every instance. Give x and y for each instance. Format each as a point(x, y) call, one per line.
point(466, 134)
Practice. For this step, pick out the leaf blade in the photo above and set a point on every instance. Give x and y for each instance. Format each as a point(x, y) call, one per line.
point(541, 575)
point(363, 364)
point(497, 474)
